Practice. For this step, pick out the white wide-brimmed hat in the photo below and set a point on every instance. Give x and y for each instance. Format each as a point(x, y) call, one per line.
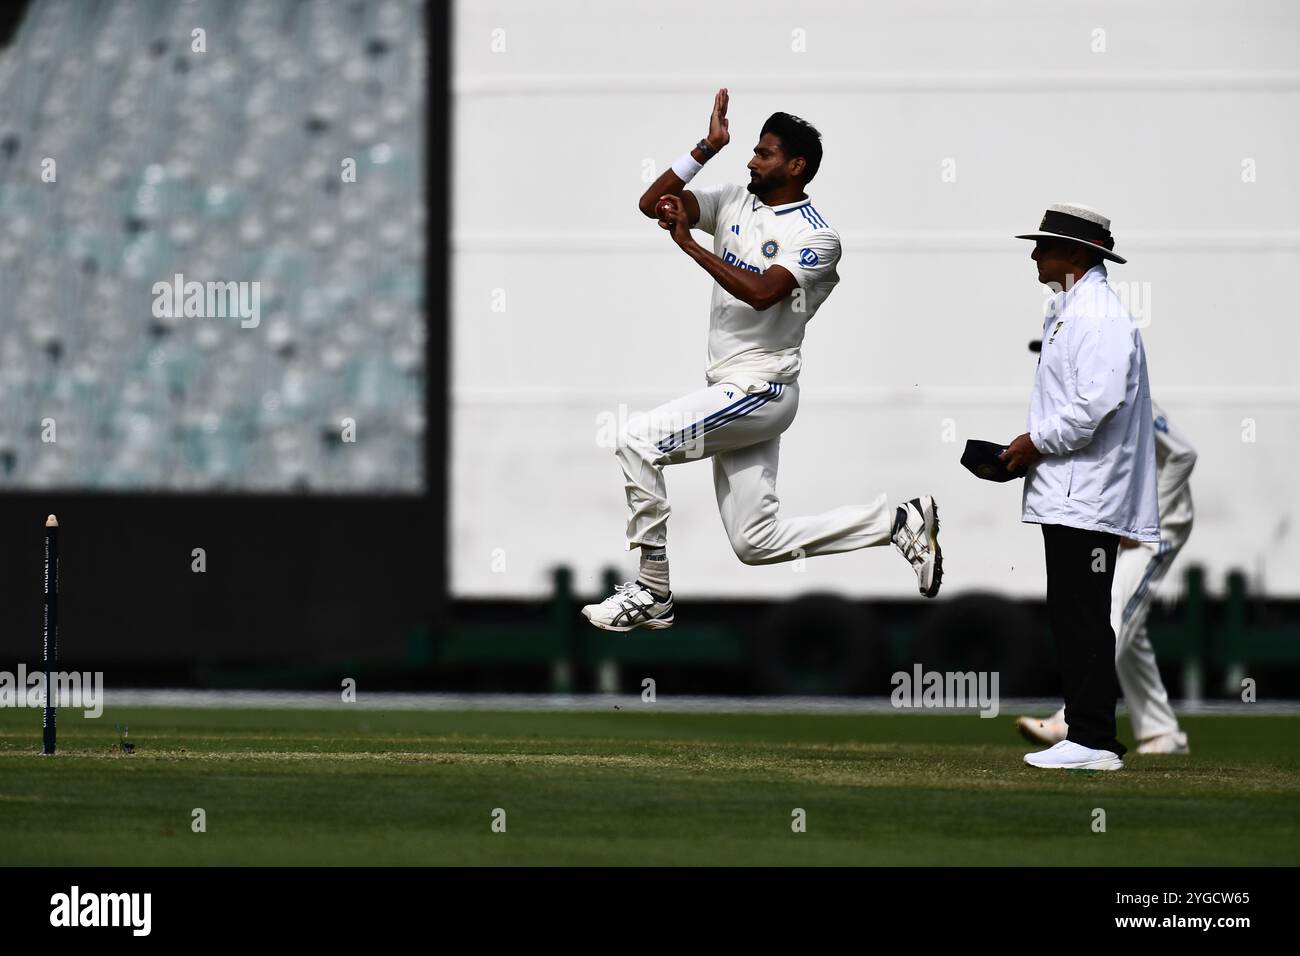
point(1077, 223)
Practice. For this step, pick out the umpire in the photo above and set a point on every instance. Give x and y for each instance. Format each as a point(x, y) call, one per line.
point(1090, 454)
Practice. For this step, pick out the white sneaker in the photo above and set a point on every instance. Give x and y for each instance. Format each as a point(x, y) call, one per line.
point(1048, 730)
point(629, 607)
point(1174, 742)
point(916, 535)
point(1067, 755)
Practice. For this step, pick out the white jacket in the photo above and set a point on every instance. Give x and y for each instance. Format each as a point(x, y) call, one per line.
point(1090, 415)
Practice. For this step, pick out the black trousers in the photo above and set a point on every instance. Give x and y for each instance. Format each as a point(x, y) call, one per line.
point(1080, 570)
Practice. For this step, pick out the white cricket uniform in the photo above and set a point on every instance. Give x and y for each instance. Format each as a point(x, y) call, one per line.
point(752, 393)
point(1138, 571)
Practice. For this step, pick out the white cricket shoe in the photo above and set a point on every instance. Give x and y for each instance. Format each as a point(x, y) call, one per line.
point(916, 535)
point(629, 607)
point(1048, 730)
point(1067, 755)
point(1174, 742)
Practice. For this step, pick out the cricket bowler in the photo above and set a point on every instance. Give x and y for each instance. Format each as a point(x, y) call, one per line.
point(774, 261)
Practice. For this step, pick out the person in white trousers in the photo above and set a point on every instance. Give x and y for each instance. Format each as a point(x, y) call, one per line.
point(773, 264)
point(1139, 568)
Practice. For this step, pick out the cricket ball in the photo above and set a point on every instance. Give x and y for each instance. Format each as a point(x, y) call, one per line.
point(664, 208)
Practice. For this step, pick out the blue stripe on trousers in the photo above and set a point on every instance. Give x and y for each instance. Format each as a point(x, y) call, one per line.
point(732, 412)
point(1156, 560)
point(671, 439)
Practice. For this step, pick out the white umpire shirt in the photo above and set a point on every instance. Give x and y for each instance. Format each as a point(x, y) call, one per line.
point(747, 347)
point(1090, 415)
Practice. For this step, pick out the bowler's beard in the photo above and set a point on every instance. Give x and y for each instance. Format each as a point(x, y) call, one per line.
point(760, 187)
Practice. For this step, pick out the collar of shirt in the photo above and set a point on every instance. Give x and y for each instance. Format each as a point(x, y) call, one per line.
point(1056, 306)
point(782, 209)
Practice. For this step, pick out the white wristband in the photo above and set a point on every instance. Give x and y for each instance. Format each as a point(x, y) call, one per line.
point(686, 167)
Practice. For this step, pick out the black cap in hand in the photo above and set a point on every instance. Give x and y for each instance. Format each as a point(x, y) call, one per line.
point(981, 459)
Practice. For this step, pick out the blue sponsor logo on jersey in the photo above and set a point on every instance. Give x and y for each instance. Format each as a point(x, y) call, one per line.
point(736, 228)
point(808, 258)
point(730, 259)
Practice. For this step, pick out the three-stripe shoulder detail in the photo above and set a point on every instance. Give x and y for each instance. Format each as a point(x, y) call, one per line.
point(813, 217)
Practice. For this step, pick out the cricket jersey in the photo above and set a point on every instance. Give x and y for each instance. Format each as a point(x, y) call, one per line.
point(744, 343)
point(1175, 458)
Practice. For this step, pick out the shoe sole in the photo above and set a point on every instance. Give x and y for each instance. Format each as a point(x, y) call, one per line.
point(932, 525)
point(1110, 763)
point(1025, 726)
point(654, 624)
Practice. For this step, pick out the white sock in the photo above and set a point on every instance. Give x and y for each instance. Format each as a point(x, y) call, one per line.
point(654, 571)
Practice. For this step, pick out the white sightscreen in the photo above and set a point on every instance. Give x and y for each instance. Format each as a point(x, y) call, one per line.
point(1179, 120)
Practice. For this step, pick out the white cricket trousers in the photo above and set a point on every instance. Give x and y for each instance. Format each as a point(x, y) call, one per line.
point(1137, 572)
point(739, 426)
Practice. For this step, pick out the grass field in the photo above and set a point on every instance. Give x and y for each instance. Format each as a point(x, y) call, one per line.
point(625, 787)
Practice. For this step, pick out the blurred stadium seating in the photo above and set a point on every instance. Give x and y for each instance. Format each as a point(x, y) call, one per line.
point(222, 165)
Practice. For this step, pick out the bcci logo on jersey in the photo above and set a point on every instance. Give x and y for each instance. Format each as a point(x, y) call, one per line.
point(771, 248)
